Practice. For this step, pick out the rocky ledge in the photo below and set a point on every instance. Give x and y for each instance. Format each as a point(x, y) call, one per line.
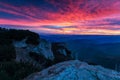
point(75, 70)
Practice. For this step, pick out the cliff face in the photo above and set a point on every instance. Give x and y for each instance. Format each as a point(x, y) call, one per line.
point(23, 51)
point(75, 70)
point(24, 44)
point(44, 51)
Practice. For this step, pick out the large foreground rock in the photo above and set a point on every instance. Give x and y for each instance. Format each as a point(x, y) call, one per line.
point(75, 70)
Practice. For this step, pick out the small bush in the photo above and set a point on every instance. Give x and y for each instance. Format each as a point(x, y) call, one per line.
point(16, 71)
point(7, 53)
point(8, 35)
point(32, 40)
point(4, 76)
point(41, 59)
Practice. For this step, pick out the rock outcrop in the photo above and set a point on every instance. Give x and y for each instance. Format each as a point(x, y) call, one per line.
point(23, 51)
point(45, 51)
point(61, 53)
point(75, 70)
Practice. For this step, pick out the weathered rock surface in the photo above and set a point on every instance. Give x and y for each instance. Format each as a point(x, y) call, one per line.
point(75, 70)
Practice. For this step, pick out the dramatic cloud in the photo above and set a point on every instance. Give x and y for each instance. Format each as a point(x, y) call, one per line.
point(62, 16)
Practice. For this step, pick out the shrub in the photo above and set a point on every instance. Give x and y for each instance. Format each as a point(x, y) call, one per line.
point(32, 40)
point(16, 71)
point(18, 35)
point(4, 76)
point(41, 59)
point(37, 57)
point(7, 52)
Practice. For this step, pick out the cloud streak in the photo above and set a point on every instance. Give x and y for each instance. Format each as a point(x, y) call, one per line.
point(64, 16)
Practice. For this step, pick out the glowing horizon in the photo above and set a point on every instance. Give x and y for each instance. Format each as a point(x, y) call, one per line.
point(91, 17)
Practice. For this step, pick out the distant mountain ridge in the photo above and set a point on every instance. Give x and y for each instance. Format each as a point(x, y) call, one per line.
point(98, 38)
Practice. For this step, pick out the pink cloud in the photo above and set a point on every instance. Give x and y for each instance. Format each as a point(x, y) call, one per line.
point(85, 15)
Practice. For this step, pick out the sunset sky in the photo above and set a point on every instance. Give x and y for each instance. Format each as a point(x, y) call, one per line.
point(94, 17)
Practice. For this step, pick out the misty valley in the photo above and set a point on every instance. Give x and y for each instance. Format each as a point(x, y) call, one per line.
point(98, 50)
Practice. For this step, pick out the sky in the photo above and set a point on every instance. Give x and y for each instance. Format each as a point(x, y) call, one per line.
point(86, 17)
